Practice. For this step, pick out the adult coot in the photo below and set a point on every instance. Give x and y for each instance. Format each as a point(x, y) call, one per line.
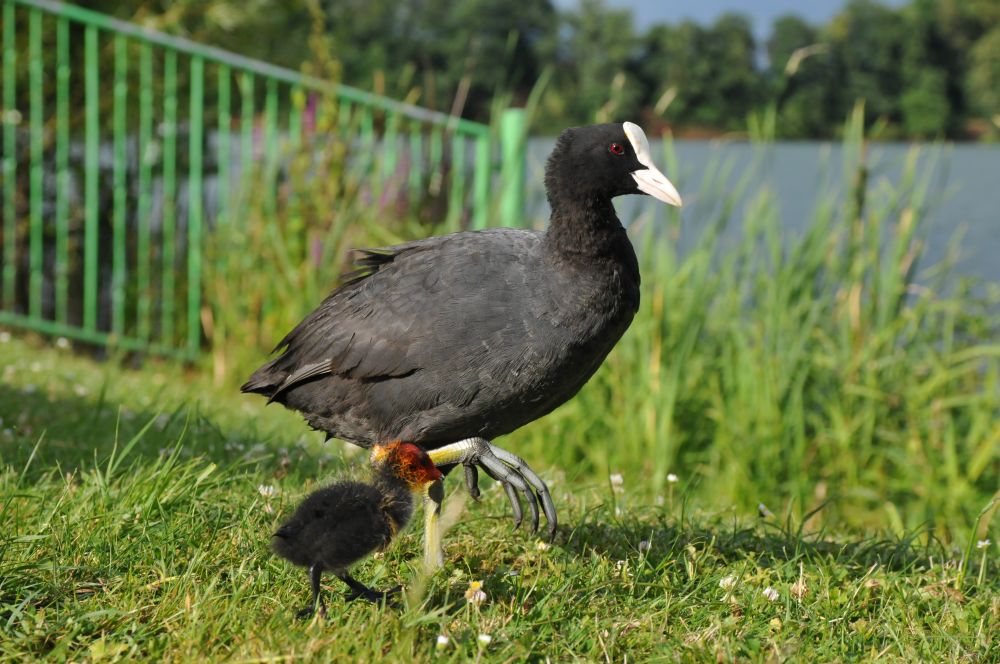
point(338, 525)
point(452, 341)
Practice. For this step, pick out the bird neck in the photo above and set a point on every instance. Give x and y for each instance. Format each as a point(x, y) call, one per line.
point(585, 227)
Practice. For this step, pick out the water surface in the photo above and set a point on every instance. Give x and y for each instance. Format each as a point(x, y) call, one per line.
point(963, 189)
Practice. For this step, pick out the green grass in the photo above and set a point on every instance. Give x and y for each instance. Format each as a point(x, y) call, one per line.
point(133, 527)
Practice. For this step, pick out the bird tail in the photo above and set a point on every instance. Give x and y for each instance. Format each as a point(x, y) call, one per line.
point(265, 380)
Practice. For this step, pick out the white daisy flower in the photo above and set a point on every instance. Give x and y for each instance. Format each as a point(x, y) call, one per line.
point(475, 594)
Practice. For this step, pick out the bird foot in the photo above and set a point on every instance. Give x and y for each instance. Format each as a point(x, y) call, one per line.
point(373, 596)
point(309, 611)
point(510, 470)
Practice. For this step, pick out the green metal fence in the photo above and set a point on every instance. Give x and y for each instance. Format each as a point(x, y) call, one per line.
point(123, 146)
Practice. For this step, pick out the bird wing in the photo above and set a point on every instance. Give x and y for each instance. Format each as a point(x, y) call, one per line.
point(388, 319)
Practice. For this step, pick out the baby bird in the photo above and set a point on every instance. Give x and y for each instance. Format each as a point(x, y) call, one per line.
point(338, 525)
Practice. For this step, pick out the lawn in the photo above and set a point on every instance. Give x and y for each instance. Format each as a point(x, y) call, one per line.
point(136, 507)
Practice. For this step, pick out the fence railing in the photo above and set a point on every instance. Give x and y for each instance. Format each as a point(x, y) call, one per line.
point(122, 147)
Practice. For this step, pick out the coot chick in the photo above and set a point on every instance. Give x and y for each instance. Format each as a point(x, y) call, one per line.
point(338, 525)
point(452, 341)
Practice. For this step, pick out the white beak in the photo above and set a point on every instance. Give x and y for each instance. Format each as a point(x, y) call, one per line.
point(649, 180)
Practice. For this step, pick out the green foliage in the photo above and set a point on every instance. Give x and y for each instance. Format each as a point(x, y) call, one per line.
point(924, 70)
point(868, 41)
point(984, 74)
point(924, 105)
point(929, 63)
point(272, 30)
point(600, 42)
point(465, 51)
point(802, 74)
point(708, 73)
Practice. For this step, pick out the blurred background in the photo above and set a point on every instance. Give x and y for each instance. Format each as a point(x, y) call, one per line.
point(184, 179)
point(926, 68)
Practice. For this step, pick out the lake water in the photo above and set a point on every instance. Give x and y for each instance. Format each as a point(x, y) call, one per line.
point(964, 192)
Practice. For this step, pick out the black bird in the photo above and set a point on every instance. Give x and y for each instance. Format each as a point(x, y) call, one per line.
point(452, 341)
point(338, 525)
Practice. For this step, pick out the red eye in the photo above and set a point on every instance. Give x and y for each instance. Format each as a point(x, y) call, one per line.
point(616, 148)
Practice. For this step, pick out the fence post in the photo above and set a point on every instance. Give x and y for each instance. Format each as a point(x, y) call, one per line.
point(481, 184)
point(513, 130)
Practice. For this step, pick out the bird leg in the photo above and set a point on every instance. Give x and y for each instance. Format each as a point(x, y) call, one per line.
point(433, 555)
point(361, 591)
point(315, 573)
point(508, 469)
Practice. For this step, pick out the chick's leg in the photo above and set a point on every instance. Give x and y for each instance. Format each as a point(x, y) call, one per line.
point(315, 574)
point(361, 591)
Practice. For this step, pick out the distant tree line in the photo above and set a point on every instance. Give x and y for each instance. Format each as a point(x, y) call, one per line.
point(928, 69)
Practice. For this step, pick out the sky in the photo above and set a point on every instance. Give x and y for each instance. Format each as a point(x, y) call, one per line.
point(762, 12)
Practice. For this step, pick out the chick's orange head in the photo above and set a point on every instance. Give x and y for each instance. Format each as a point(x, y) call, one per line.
point(409, 462)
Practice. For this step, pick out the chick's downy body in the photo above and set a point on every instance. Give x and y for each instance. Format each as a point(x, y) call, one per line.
point(338, 525)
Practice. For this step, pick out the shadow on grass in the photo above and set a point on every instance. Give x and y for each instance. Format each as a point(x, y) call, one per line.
point(595, 549)
point(41, 432)
point(769, 543)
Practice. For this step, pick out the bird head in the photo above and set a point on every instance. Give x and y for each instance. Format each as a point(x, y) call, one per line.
point(407, 462)
point(605, 160)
